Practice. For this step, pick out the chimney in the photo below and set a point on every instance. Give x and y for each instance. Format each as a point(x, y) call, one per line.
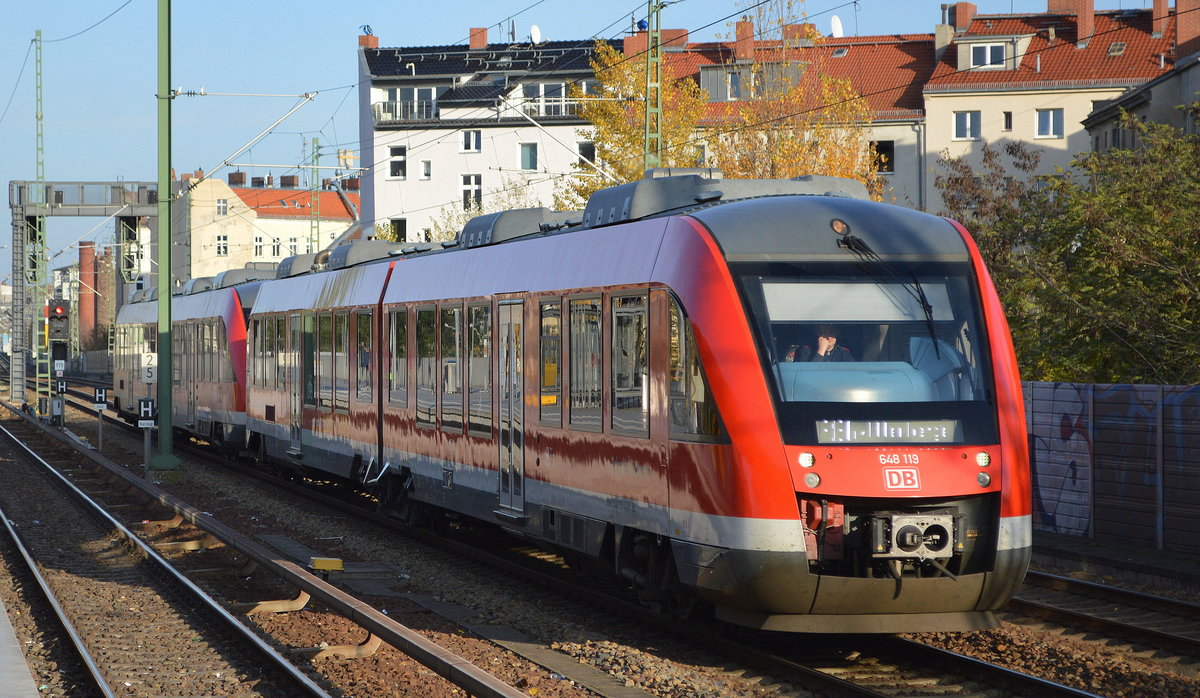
point(256, 182)
point(368, 41)
point(478, 38)
point(1085, 22)
point(350, 184)
point(1160, 19)
point(326, 183)
point(674, 38)
point(799, 34)
point(270, 181)
point(87, 292)
point(237, 179)
point(635, 44)
point(1187, 28)
point(961, 15)
point(743, 47)
point(289, 181)
point(943, 36)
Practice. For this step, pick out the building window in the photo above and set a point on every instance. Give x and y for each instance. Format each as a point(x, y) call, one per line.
point(222, 207)
point(987, 56)
point(587, 152)
point(472, 191)
point(258, 246)
point(1049, 123)
point(398, 165)
point(399, 228)
point(426, 169)
point(1007, 121)
point(293, 245)
point(543, 99)
point(472, 141)
point(735, 85)
point(966, 125)
point(529, 160)
point(222, 245)
point(274, 247)
point(885, 156)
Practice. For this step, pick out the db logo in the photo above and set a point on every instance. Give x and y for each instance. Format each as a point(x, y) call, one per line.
point(901, 479)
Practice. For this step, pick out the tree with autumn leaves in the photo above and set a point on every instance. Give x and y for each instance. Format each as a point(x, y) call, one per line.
point(792, 119)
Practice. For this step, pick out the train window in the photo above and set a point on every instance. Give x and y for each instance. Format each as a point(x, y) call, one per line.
point(325, 360)
point(254, 341)
point(692, 408)
point(341, 361)
point(426, 365)
point(549, 377)
point(452, 368)
point(630, 365)
point(479, 370)
point(226, 357)
point(267, 357)
point(362, 354)
point(281, 355)
point(398, 371)
point(889, 353)
point(586, 364)
point(308, 356)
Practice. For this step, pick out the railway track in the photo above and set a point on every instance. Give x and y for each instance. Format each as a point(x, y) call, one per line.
point(187, 529)
point(1137, 617)
point(138, 625)
point(866, 667)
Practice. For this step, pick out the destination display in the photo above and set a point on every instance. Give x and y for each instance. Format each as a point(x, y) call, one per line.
point(845, 431)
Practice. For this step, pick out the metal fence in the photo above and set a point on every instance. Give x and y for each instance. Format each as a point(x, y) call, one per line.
point(1117, 463)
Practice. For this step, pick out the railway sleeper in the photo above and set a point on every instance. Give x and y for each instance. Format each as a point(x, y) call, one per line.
point(203, 543)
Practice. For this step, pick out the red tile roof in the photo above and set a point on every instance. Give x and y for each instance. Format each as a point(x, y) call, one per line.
point(296, 203)
point(1061, 62)
point(888, 70)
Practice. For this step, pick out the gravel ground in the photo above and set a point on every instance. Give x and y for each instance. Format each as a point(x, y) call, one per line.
point(654, 664)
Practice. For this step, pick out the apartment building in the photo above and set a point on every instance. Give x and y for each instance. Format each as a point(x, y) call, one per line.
point(445, 125)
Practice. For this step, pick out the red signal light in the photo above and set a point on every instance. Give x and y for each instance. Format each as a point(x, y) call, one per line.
point(58, 310)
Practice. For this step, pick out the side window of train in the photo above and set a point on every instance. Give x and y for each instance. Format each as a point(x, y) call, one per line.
point(267, 365)
point(341, 361)
point(362, 354)
point(691, 406)
point(549, 374)
point(479, 370)
point(308, 358)
point(586, 367)
point(252, 365)
point(451, 371)
point(398, 369)
point(281, 355)
point(325, 360)
point(426, 365)
point(630, 355)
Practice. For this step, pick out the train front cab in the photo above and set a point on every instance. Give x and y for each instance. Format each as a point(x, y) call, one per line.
point(904, 470)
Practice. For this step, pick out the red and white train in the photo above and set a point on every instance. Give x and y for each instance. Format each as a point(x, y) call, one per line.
point(639, 386)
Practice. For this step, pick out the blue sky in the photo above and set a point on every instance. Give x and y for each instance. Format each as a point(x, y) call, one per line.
point(99, 85)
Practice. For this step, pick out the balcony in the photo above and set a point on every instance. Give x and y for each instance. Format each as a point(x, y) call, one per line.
point(401, 112)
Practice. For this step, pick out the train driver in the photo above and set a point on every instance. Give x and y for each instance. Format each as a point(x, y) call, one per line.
point(827, 347)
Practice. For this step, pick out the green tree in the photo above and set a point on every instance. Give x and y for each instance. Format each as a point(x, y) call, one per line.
point(1099, 266)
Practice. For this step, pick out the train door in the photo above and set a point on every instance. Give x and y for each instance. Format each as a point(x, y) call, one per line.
point(294, 384)
point(510, 386)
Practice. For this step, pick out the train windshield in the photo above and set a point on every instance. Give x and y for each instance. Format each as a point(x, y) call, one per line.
point(874, 353)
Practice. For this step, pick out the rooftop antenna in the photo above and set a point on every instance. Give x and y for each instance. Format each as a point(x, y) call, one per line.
point(535, 34)
point(835, 27)
point(512, 31)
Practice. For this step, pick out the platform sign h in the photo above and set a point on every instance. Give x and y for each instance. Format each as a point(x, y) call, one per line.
point(146, 413)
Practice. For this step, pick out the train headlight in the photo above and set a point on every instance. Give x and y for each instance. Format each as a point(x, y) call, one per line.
point(983, 459)
point(984, 479)
point(807, 460)
point(812, 480)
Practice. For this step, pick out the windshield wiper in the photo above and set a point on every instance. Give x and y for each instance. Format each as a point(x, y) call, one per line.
point(928, 310)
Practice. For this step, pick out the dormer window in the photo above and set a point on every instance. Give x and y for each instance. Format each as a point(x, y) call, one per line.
point(1116, 48)
point(987, 56)
point(839, 52)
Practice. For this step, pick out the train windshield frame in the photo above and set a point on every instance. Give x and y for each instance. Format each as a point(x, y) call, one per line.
point(908, 364)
